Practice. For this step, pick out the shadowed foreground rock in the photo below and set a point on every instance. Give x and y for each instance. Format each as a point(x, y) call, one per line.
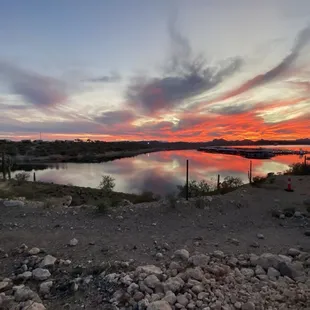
point(201, 281)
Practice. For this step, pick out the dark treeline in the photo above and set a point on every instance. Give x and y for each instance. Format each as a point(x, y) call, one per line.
point(72, 148)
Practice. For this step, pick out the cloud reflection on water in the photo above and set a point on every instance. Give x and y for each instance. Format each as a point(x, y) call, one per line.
point(161, 172)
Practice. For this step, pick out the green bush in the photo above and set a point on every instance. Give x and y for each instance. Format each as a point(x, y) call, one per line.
point(298, 169)
point(21, 177)
point(107, 184)
point(195, 189)
point(103, 206)
point(231, 182)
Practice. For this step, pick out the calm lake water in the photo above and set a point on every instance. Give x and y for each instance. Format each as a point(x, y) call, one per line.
point(161, 172)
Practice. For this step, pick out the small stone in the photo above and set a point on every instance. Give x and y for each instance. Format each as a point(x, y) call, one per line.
point(248, 306)
point(260, 236)
point(159, 305)
point(138, 296)
point(182, 254)
point(218, 254)
point(149, 269)
point(237, 305)
point(13, 203)
point(45, 287)
point(4, 285)
point(293, 252)
point(282, 216)
point(24, 294)
point(34, 251)
point(73, 242)
point(159, 256)
point(48, 260)
point(298, 214)
point(182, 300)
point(170, 298)
point(41, 274)
point(34, 306)
point(247, 272)
point(151, 281)
point(25, 275)
point(273, 273)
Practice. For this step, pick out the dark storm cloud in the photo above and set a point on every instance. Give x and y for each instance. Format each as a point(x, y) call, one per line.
point(184, 76)
point(115, 117)
point(36, 89)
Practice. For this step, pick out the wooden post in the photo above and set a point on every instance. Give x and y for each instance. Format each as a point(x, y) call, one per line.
point(34, 177)
point(187, 179)
point(305, 160)
point(218, 181)
point(3, 166)
point(250, 171)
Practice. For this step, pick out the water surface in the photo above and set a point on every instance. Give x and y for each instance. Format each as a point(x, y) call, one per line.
point(161, 172)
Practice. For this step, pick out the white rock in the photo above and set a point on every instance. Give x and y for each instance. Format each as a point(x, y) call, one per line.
point(267, 260)
point(170, 298)
point(200, 260)
point(34, 306)
point(149, 269)
point(48, 260)
point(159, 305)
point(45, 287)
point(24, 294)
point(248, 306)
point(218, 254)
point(41, 274)
point(293, 252)
point(182, 300)
point(298, 214)
point(13, 203)
point(4, 285)
point(173, 284)
point(25, 275)
point(260, 236)
point(151, 281)
point(273, 273)
point(73, 242)
point(182, 254)
point(247, 272)
point(34, 251)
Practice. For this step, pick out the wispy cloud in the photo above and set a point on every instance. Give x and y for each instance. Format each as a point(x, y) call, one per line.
point(185, 75)
point(115, 117)
point(112, 78)
point(36, 89)
point(287, 63)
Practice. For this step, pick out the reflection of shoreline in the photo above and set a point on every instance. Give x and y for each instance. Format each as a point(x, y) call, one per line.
point(38, 166)
point(160, 172)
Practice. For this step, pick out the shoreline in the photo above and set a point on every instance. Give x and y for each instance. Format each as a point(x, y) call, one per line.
point(93, 158)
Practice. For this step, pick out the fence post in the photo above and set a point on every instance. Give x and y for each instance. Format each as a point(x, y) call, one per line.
point(250, 176)
point(218, 181)
point(305, 160)
point(187, 179)
point(34, 177)
point(3, 166)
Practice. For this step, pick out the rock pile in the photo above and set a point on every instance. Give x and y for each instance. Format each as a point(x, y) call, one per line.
point(216, 281)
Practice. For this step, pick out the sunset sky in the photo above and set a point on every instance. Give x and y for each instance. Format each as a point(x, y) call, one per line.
point(173, 70)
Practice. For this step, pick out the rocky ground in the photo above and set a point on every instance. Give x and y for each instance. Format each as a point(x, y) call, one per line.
point(249, 249)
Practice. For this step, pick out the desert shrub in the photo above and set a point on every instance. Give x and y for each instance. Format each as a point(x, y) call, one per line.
point(107, 184)
point(195, 189)
point(232, 182)
point(200, 203)
point(172, 200)
point(146, 196)
point(22, 177)
point(259, 180)
point(298, 169)
point(104, 205)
